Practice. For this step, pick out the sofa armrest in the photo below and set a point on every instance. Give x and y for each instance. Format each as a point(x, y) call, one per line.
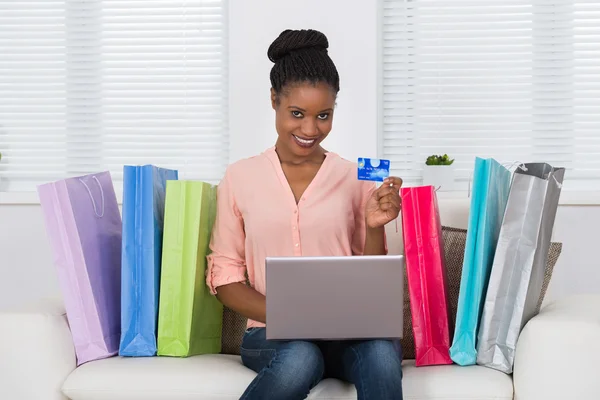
point(36, 352)
point(558, 352)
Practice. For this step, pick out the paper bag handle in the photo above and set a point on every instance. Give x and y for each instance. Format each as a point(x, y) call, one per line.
point(522, 167)
point(558, 184)
point(507, 165)
point(92, 197)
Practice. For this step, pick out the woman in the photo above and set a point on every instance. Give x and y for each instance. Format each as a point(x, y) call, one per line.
point(297, 199)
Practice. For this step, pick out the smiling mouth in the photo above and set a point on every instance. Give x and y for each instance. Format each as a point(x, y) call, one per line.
point(304, 142)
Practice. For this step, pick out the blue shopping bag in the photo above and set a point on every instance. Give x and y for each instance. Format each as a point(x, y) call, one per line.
point(491, 185)
point(144, 189)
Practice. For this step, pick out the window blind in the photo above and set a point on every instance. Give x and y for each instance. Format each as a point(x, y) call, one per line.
point(92, 86)
point(514, 80)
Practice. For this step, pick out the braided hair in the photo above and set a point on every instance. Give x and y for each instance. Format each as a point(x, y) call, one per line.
point(300, 56)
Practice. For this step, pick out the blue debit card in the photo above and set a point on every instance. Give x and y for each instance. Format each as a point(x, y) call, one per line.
point(373, 169)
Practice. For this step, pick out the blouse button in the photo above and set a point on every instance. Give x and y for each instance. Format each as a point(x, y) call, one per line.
point(295, 211)
point(297, 244)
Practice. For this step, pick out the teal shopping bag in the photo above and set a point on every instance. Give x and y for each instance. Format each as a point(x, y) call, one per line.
point(491, 185)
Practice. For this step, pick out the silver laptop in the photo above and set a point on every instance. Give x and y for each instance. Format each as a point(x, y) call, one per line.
point(335, 298)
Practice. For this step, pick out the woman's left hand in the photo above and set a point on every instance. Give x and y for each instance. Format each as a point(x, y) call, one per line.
point(384, 204)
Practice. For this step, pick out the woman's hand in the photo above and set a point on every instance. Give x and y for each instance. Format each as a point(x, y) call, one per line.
point(384, 204)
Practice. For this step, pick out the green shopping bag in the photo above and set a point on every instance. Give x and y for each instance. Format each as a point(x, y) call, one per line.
point(189, 317)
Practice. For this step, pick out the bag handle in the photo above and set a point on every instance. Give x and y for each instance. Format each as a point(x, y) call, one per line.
point(507, 165)
point(92, 197)
point(522, 167)
point(558, 184)
point(519, 164)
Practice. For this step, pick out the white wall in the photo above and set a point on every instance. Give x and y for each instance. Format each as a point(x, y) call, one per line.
point(578, 269)
point(26, 270)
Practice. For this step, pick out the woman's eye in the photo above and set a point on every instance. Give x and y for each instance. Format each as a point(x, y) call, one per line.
point(323, 116)
point(297, 114)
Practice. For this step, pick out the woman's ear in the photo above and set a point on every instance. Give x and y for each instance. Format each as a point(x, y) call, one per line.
point(274, 99)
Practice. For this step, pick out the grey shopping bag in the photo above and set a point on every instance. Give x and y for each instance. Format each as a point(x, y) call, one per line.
point(519, 262)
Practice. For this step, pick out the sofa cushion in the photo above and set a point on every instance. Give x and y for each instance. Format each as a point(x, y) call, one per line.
point(234, 326)
point(221, 377)
point(454, 248)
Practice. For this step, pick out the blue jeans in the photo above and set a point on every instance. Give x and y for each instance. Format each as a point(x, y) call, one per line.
point(288, 370)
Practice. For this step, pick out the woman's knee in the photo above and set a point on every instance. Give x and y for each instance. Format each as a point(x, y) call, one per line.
point(377, 370)
point(293, 369)
point(300, 362)
point(381, 356)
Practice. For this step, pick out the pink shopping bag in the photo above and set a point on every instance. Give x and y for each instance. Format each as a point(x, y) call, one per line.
point(83, 224)
point(426, 274)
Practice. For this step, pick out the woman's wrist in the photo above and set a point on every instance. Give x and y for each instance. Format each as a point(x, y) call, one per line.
point(374, 241)
point(375, 231)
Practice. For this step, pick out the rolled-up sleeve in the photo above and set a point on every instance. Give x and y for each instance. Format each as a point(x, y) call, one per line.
point(226, 261)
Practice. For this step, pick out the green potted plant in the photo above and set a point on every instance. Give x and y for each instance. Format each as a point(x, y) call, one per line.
point(438, 171)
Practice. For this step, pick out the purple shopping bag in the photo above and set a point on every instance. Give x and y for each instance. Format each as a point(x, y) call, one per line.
point(83, 224)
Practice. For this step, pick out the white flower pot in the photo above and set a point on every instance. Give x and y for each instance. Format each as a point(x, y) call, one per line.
point(439, 176)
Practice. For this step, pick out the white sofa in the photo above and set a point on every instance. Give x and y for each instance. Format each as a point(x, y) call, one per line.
point(557, 358)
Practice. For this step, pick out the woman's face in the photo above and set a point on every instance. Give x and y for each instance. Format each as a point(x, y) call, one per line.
point(303, 117)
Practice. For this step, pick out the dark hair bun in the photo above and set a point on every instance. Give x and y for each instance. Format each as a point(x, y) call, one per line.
point(294, 40)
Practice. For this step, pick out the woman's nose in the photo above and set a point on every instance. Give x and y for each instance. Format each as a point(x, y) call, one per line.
point(309, 127)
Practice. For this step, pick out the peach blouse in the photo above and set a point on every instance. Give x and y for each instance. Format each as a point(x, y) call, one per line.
point(257, 216)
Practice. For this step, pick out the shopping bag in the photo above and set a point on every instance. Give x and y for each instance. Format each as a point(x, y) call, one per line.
point(83, 224)
point(519, 263)
point(190, 319)
point(143, 212)
point(426, 275)
point(491, 184)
